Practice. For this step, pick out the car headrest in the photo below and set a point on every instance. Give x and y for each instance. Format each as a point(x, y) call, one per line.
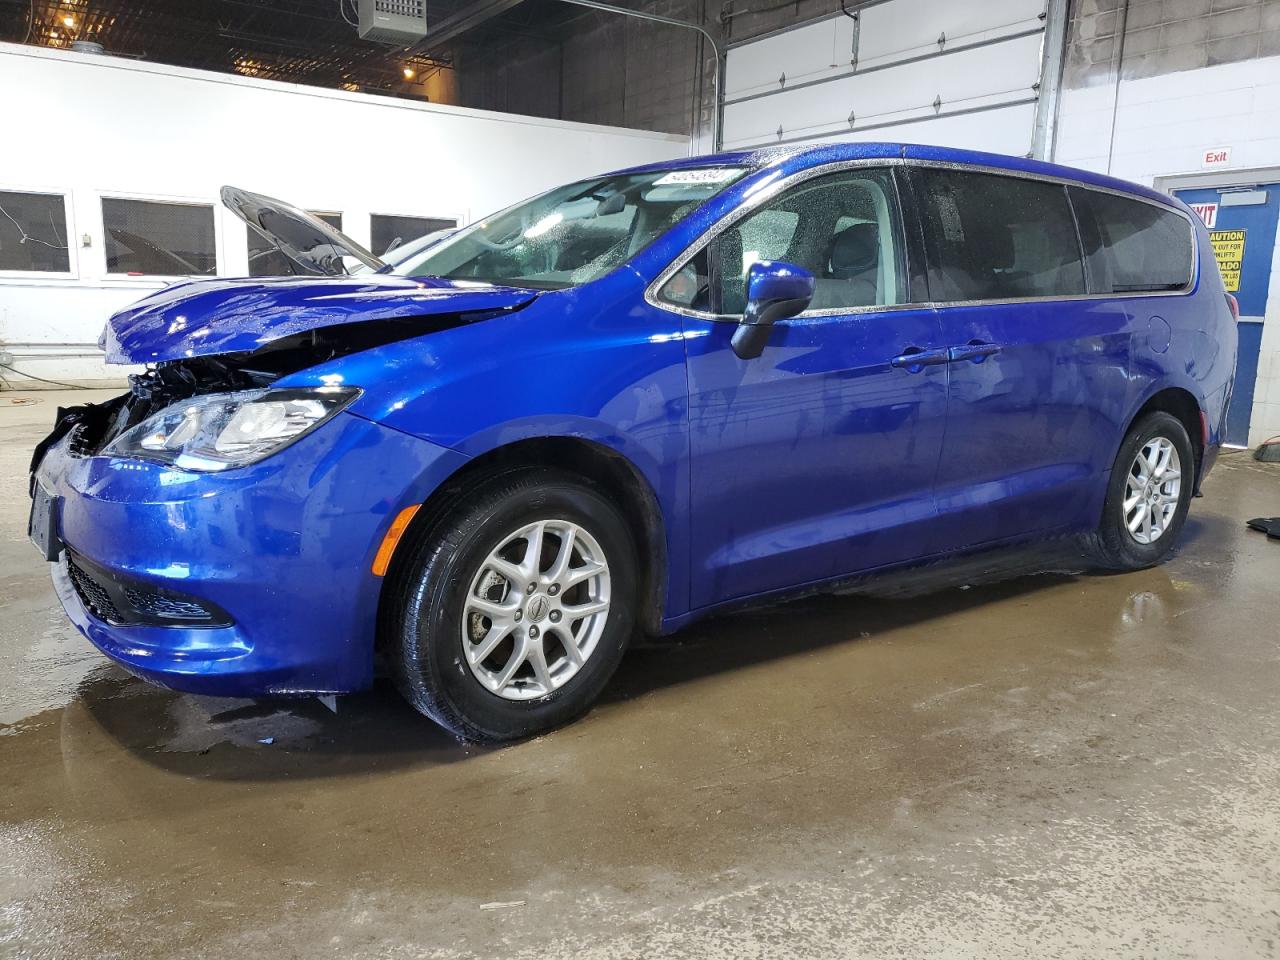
point(855, 250)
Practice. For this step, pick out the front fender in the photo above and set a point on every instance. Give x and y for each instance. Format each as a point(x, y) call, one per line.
point(589, 362)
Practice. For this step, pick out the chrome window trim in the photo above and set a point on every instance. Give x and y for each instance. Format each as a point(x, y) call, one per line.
point(778, 186)
point(756, 201)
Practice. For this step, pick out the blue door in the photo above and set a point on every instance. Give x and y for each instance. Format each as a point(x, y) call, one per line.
point(1242, 217)
point(816, 459)
point(1038, 374)
point(1034, 426)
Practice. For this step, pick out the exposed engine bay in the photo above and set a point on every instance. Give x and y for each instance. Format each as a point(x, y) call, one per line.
point(93, 426)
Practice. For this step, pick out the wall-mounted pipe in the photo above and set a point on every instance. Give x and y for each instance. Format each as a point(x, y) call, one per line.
point(1115, 99)
point(1053, 58)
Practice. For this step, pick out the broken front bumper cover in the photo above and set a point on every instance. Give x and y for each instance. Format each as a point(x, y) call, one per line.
point(282, 550)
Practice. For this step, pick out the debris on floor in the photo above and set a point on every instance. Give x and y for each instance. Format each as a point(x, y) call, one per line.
point(1268, 525)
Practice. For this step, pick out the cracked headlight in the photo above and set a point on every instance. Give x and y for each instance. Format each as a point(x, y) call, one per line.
point(219, 431)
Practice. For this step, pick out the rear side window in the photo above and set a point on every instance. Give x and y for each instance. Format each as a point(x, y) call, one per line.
point(992, 237)
point(1132, 246)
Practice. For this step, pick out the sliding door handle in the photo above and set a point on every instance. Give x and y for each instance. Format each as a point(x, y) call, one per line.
point(974, 350)
point(915, 359)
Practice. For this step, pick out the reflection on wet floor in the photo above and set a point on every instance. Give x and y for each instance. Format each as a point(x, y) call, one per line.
point(1055, 765)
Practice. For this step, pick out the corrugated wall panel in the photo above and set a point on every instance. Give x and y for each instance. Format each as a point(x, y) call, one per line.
point(801, 84)
point(997, 131)
point(908, 28)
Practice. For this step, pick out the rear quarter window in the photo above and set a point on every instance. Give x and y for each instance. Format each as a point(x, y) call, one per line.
point(1132, 246)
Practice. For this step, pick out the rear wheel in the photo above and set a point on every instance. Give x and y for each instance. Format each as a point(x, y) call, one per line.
point(513, 611)
point(1148, 495)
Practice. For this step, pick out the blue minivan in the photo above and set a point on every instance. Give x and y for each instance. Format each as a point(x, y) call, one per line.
point(625, 404)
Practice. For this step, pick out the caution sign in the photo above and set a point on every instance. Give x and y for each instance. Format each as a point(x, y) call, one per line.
point(1228, 250)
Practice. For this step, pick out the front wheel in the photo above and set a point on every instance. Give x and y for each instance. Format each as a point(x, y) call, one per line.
point(1148, 495)
point(511, 614)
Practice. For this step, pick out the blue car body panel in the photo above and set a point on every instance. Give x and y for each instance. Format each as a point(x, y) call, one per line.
point(587, 363)
point(1032, 429)
point(816, 461)
point(207, 317)
point(285, 546)
point(816, 458)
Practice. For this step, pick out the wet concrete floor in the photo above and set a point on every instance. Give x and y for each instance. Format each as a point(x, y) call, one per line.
point(1050, 766)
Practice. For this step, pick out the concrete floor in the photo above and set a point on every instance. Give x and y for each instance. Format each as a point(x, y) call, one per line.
point(1051, 766)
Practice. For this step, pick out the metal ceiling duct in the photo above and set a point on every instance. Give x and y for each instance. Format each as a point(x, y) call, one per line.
point(398, 22)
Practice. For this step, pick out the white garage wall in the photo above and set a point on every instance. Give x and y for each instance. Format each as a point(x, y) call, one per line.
point(1163, 125)
point(930, 71)
point(86, 126)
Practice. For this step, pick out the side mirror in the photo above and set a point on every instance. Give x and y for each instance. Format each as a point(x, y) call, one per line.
point(775, 291)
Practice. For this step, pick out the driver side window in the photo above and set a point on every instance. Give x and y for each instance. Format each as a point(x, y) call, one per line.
point(842, 227)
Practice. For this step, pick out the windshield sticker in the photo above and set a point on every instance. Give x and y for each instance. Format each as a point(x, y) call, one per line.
point(708, 176)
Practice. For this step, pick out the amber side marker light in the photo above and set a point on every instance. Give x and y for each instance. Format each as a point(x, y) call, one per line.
point(398, 526)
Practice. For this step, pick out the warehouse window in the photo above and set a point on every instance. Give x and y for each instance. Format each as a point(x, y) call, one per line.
point(1132, 246)
point(991, 237)
point(266, 261)
point(33, 232)
point(388, 232)
point(153, 237)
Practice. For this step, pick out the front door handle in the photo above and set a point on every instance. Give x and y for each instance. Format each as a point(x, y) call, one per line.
point(974, 350)
point(915, 359)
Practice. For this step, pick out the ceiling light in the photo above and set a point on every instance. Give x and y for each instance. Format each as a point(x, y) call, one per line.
point(408, 73)
point(69, 21)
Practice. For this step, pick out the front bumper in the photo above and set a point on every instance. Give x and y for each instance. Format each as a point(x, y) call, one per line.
point(284, 547)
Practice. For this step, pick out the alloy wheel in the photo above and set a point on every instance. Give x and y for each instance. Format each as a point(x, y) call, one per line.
point(536, 609)
point(1152, 490)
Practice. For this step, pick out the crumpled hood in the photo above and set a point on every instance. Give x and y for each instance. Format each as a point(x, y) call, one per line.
point(207, 317)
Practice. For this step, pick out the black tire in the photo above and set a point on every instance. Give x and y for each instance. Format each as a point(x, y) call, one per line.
point(430, 589)
point(1112, 546)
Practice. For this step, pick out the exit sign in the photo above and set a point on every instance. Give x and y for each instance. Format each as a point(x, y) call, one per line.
point(1216, 157)
point(1208, 212)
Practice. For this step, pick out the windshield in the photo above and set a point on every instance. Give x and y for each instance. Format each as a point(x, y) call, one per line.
point(573, 234)
point(406, 251)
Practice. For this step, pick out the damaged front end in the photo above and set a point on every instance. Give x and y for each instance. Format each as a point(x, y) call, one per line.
point(230, 379)
point(93, 427)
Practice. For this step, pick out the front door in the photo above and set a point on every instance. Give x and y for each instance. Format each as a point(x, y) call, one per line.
point(816, 459)
point(1242, 226)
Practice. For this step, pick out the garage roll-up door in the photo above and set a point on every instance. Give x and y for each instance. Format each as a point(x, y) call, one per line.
point(930, 71)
